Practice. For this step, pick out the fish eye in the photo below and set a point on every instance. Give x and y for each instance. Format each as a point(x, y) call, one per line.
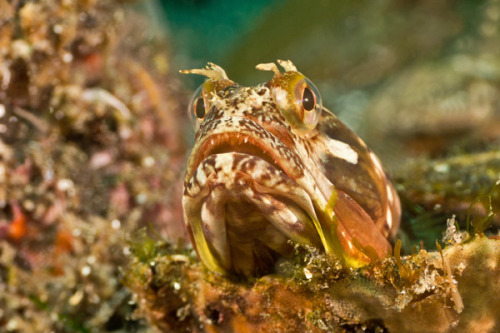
point(197, 109)
point(308, 99)
point(308, 103)
point(299, 101)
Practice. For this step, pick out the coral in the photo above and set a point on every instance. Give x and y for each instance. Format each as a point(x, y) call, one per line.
point(84, 130)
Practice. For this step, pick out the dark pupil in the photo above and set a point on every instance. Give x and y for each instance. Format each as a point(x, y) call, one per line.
point(308, 99)
point(200, 108)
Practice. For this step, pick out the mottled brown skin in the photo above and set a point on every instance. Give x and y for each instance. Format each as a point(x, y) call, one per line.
point(262, 173)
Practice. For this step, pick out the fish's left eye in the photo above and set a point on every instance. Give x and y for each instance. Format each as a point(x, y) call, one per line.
point(308, 99)
point(299, 101)
point(307, 105)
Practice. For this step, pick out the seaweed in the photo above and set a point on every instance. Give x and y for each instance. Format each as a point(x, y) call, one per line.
point(407, 274)
point(480, 224)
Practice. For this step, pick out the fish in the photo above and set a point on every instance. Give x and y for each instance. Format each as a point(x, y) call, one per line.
point(271, 168)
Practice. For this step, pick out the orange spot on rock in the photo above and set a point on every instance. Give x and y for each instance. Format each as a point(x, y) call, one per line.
point(17, 228)
point(94, 62)
point(63, 242)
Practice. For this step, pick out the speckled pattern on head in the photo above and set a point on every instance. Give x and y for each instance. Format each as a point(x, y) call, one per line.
point(270, 165)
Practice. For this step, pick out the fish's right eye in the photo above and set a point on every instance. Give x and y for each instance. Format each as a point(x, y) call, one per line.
point(197, 107)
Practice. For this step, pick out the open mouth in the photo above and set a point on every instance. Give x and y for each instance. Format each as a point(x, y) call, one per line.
point(246, 206)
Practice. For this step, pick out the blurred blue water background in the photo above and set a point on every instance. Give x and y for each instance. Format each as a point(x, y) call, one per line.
point(357, 53)
point(411, 77)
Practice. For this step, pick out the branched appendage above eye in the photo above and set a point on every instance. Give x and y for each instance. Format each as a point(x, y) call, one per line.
point(211, 71)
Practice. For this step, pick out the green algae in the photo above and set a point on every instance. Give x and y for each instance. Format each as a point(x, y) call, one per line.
point(491, 204)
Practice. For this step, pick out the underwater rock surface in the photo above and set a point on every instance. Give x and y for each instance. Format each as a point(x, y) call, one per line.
point(425, 292)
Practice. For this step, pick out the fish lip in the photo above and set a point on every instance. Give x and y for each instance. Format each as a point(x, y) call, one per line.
point(234, 142)
point(241, 139)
